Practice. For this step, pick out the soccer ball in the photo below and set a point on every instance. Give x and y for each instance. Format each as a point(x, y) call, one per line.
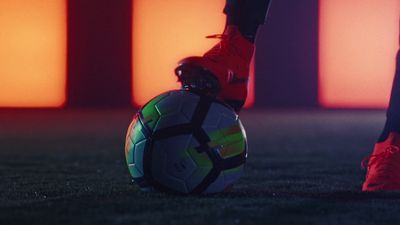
point(185, 142)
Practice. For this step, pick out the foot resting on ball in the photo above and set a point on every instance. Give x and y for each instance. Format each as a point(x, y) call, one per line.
point(223, 71)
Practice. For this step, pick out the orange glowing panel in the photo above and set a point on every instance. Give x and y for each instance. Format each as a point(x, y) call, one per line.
point(32, 53)
point(357, 49)
point(165, 32)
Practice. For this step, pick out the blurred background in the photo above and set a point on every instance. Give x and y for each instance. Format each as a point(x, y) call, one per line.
point(72, 73)
point(101, 53)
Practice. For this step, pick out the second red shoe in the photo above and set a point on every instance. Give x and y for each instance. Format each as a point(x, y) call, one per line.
point(383, 171)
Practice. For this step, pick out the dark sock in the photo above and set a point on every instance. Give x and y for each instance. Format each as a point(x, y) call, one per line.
point(393, 113)
point(247, 15)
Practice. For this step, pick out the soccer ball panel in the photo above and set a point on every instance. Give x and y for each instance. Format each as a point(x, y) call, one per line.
point(189, 106)
point(197, 177)
point(179, 162)
point(149, 112)
point(160, 174)
point(231, 150)
point(135, 159)
point(134, 145)
point(200, 158)
point(211, 121)
point(176, 101)
point(135, 173)
point(139, 153)
point(224, 130)
point(204, 166)
point(177, 108)
point(171, 162)
point(231, 141)
point(171, 120)
point(128, 140)
point(129, 148)
point(218, 117)
point(137, 134)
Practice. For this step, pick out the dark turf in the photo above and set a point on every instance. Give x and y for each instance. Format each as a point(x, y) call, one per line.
point(67, 167)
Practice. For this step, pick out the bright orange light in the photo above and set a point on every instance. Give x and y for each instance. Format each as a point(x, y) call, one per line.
point(165, 32)
point(358, 44)
point(32, 53)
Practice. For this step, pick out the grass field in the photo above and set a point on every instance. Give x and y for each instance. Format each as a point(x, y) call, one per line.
point(67, 167)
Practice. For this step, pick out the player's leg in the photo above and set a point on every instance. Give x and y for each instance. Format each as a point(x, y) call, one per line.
point(223, 71)
point(384, 164)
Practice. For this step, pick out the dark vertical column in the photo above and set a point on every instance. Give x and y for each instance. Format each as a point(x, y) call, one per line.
point(287, 55)
point(99, 53)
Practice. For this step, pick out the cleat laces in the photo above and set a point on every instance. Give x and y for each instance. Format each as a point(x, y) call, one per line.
point(224, 47)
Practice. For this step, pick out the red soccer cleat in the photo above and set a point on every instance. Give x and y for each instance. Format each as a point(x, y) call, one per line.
point(384, 166)
point(223, 71)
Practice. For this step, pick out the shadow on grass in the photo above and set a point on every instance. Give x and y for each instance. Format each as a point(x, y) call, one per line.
point(339, 195)
point(237, 194)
